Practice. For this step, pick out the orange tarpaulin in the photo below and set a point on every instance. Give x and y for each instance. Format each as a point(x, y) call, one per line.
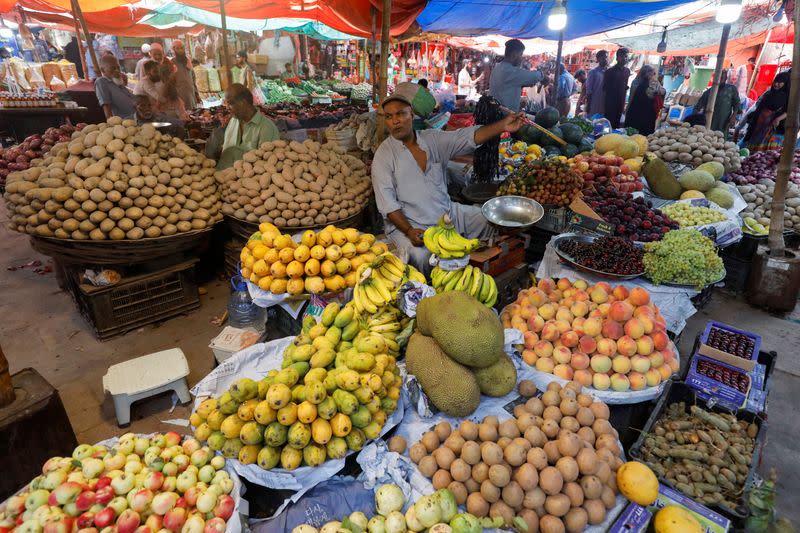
point(348, 16)
point(56, 6)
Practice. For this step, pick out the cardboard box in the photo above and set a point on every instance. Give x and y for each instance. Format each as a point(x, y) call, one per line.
point(231, 340)
point(713, 352)
point(633, 519)
point(257, 59)
point(710, 521)
point(708, 388)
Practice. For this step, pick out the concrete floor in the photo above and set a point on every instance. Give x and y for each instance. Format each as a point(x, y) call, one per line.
point(41, 328)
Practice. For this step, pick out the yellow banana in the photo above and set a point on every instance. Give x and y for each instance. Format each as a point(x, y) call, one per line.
point(369, 304)
point(386, 328)
point(378, 274)
point(383, 291)
point(373, 295)
point(466, 274)
point(475, 287)
point(444, 239)
point(452, 280)
point(492, 298)
point(392, 345)
point(418, 276)
point(429, 239)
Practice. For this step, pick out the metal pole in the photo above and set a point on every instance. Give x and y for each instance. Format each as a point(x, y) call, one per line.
point(386, 16)
point(777, 245)
point(77, 13)
point(712, 97)
point(554, 91)
point(226, 60)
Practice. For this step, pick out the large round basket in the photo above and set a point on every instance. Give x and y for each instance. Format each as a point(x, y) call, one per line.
point(244, 229)
point(119, 252)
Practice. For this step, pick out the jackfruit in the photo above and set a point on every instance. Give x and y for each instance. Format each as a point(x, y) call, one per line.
point(468, 331)
point(451, 387)
point(498, 379)
point(697, 180)
point(660, 179)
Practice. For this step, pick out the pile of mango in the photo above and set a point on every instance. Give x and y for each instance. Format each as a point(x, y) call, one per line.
point(338, 383)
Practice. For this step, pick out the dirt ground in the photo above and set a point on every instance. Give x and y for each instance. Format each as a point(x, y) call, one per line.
point(41, 328)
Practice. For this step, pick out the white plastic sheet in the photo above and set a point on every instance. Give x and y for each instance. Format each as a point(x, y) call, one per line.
point(254, 362)
point(674, 303)
point(723, 233)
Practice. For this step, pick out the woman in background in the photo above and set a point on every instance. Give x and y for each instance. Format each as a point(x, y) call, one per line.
point(647, 99)
point(766, 120)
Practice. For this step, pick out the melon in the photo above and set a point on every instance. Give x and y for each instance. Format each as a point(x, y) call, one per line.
point(714, 168)
point(688, 195)
point(608, 143)
point(627, 148)
point(721, 196)
point(641, 140)
point(697, 180)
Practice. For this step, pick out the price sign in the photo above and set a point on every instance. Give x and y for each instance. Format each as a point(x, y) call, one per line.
point(590, 225)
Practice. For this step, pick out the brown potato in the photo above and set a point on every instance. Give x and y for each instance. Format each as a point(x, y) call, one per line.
point(527, 477)
point(480, 472)
point(487, 432)
point(551, 481)
point(551, 524)
point(397, 444)
point(442, 430)
point(459, 492)
point(538, 458)
point(428, 466)
point(444, 457)
point(491, 453)
point(499, 475)
point(568, 468)
point(557, 504)
point(574, 492)
point(490, 492)
point(441, 479)
point(460, 470)
point(527, 388)
point(576, 520)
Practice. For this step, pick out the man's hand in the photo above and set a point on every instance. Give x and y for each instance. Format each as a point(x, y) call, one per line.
point(415, 236)
point(513, 122)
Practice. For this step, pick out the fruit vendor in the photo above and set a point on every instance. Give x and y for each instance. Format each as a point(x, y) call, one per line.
point(409, 175)
point(246, 130)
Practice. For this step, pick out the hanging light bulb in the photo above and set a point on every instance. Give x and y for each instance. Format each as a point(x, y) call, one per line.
point(662, 46)
point(729, 11)
point(5, 31)
point(557, 19)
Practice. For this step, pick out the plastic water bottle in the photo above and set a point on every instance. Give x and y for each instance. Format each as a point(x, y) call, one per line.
point(242, 312)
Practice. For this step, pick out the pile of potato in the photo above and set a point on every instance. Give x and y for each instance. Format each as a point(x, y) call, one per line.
point(552, 465)
point(292, 184)
point(759, 203)
point(694, 145)
point(116, 181)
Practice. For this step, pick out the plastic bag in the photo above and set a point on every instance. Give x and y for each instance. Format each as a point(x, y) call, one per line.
point(723, 233)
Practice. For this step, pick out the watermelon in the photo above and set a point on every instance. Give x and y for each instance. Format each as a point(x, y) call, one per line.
point(569, 150)
point(549, 141)
point(529, 134)
point(547, 117)
point(586, 145)
point(551, 151)
point(572, 133)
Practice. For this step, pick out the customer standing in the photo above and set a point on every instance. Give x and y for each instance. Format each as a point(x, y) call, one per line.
point(508, 78)
point(595, 96)
point(139, 70)
point(615, 87)
point(726, 106)
point(184, 76)
point(565, 88)
point(647, 99)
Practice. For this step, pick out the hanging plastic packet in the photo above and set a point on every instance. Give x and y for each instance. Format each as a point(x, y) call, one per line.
point(448, 264)
point(410, 294)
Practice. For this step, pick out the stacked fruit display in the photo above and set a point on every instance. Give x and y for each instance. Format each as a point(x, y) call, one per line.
point(457, 353)
point(438, 513)
point(695, 145)
point(549, 182)
point(600, 336)
point(553, 465)
point(138, 484)
point(337, 385)
point(444, 241)
point(377, 283)
point(608, 169)
point(702, 182)
point(322, 262)
point(688, 215)
point(293, 184)
point(686, 257)
point(469, 279)
point(631, 217)
point(612, 255)
point(115, 180)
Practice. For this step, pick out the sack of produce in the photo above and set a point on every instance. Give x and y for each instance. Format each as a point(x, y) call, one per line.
point(20, 71)
point(201, 77)
point(214, 85)
point(68, 70)
point(223, 79)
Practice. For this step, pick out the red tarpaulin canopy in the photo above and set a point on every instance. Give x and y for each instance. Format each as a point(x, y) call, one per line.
point(56, 6)
point(348, 16)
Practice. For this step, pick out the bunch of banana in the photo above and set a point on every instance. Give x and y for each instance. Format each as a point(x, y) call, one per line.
point(378, 282)
point(468, 279)
point(444, 241)
point(388, 322)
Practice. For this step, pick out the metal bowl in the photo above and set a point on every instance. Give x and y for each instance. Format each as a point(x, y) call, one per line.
point(160, 124)
point(512, 211)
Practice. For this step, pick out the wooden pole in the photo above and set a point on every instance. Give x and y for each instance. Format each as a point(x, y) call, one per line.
point(6, 386)
point(374, 71)
point(81, 50)
point(777, 245)
point(712, 97)
point(386, 16)
point(226, 60)
point(78, 14)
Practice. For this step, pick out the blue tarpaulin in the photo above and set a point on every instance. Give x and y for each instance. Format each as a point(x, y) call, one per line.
point(528, 19)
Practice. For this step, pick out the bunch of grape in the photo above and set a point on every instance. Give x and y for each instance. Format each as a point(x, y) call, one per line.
point(682, 256)
point(692, 215)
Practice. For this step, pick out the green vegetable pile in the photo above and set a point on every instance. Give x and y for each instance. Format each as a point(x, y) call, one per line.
point(686, 257)
point(277, 92)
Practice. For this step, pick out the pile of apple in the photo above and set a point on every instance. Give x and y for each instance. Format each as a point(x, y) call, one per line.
point(606, 169)
point(138, 485)
point(599, 336)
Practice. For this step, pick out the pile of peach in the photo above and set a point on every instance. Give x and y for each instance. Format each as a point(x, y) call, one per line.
point(599, 336)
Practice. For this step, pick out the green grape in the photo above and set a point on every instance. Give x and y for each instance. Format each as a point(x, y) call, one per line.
point(687, 215)
point(682, 256)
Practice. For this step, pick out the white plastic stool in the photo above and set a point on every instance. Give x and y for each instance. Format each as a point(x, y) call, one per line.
point(144, 377)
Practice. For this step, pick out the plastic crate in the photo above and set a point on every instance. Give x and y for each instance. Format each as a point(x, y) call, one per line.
point(676, 392)
point(709, 388)
point(137, 301)
point(537, 244)
point(736, 272)
point(555, 219)
point(510, 283)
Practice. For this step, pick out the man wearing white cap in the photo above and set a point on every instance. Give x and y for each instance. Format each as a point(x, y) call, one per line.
point(139, 72)
point(409, 175)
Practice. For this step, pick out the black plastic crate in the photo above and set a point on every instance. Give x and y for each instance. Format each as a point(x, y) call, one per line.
point(745, 249)
point(510, 283)
point(677, 391)
point(537, 244)
point(281, 322)
point(137, 301)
